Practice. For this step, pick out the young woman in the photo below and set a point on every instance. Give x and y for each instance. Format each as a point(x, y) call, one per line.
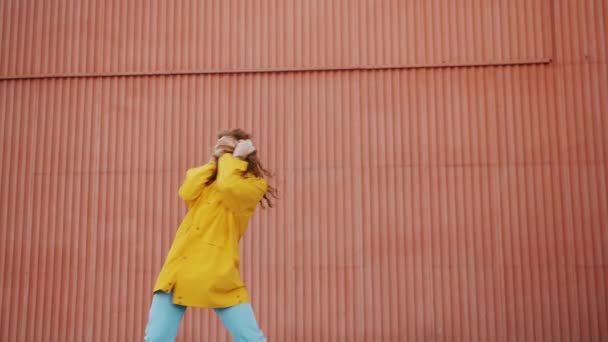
point(202, 267)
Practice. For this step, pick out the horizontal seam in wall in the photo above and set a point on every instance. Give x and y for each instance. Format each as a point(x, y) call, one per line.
point(129, 172)
point(277, 70)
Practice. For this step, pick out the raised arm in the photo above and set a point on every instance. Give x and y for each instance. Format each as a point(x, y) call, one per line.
point(237, 190)
point(195, 181)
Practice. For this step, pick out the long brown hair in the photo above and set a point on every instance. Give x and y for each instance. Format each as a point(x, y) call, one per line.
point(254, 165)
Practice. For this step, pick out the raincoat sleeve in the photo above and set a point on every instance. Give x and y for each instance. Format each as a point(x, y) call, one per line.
point(238, 191)
point(193, 185)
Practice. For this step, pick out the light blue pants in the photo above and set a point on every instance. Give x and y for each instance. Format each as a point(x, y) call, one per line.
point(165, 317)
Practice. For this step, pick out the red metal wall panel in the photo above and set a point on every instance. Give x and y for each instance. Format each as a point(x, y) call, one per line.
point(75, 37)
point(436, 203)
point(415, 203)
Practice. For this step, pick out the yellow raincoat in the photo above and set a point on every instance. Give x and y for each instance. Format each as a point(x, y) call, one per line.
point(202, 267)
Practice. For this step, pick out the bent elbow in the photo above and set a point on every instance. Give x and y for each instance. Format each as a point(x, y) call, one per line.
point(185, 193)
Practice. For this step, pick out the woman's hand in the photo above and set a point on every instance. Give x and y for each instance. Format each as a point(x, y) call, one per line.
point(225, 144)
point(243, 149)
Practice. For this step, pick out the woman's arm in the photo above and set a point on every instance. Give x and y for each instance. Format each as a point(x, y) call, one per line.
point(236, 190)
point(195, 181)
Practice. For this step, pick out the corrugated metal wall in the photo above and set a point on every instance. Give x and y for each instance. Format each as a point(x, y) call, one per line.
point(463, 203)
point(133, 37)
